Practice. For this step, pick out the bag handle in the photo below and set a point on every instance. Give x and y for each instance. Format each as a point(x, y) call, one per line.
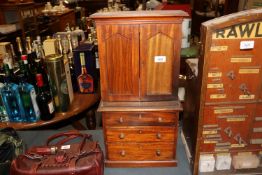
point(70, 135)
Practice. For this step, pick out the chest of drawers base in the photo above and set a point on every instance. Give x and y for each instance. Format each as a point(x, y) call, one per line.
point(117, 164)
point(140, 136)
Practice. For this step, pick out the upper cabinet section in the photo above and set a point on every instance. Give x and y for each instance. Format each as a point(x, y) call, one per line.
point(139, 54)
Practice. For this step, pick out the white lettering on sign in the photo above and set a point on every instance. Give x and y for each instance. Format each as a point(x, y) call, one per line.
point(244, 45)
point(160, 59)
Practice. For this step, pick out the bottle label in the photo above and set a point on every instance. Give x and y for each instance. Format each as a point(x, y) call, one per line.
point(85, 85)
point(25, 61)
point(35, 106)
point(51, 107)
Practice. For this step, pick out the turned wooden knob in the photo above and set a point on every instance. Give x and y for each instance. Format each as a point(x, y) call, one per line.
point(123, 153)
point(140, 132)
point(121, 135)
point(121, 120)
point(158, 135)
point(158, 152)
point(160, 119)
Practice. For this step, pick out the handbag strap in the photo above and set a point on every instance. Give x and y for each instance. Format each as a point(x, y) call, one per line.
point(68, 136)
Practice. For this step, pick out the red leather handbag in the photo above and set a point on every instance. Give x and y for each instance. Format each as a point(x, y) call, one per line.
point(81, 158)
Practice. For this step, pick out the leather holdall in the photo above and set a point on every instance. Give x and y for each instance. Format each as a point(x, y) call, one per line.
point(81, 158)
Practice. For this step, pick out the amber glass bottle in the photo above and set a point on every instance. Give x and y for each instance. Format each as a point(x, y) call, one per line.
point(85, 81)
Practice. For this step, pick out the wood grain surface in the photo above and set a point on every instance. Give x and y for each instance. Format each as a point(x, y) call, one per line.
point(80, 103)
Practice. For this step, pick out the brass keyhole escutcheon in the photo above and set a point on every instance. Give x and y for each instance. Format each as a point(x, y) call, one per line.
point(158, 152)
point(158, 135)
point(123, 153)
point(121, 120)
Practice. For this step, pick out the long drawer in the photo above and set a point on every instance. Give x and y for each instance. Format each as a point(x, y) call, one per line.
point(146, 118)
point(141, 151)
point(141, 134)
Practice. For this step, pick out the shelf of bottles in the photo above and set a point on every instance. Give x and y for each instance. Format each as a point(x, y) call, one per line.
point(39, 83)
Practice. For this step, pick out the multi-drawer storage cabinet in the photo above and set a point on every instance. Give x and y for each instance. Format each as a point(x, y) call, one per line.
point(139, 68)
point(223, 125)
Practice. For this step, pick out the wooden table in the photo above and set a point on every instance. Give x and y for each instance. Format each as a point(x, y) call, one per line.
point(81, 103)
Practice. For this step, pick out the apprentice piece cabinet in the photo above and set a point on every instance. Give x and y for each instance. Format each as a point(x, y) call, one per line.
point(139, 70)
point(222, 118)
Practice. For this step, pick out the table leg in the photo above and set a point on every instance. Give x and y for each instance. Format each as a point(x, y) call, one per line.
point(91, 119)
point(78, 125)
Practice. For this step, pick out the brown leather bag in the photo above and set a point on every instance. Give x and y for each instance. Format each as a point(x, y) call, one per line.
point(81, 158)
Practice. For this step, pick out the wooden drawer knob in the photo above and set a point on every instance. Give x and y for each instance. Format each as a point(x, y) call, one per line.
point(140, 132)
point(121, 120)
point(123, 153)
point(158, 135)
point(121, 135)
point(160, 119)
point(158, 152)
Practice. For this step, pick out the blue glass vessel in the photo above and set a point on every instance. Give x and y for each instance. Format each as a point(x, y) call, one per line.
point(28, 96)
point(11, 99)
point(3, 115)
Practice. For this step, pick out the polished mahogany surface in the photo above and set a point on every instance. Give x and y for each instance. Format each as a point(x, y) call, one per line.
point(80, 103)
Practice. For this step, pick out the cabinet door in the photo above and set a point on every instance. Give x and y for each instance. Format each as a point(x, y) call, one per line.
point(159, 53)
point(119, 61)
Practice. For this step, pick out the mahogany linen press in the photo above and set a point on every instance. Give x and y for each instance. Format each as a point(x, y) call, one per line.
point(139, 54)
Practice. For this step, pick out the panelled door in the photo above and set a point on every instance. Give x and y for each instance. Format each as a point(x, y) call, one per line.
point(119, 50)
point(158, 61)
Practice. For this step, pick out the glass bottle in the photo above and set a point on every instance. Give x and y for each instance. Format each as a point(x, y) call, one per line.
point(71, 64)
point(3, 114)
point(11, 99)
point(59, 45)
point(29, 50)
point(44, 100)
point(65, 46)
point(41, 66)
point(28, 96)
point(12, 77)
point(29, 77)
point(85, 81)
point(20, 47)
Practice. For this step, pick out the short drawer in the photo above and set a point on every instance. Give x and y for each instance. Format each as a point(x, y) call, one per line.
point(146, 118)
point(141, 134)
point(140, 152)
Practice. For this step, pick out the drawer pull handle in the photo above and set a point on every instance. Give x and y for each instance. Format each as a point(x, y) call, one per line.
point(158, 152)
point(244, 89)
point(121, 135)
point(231, 75)
point(121, 120)
point(158, 136)
point(123, 153)
point(140, 132)
point(160, 119)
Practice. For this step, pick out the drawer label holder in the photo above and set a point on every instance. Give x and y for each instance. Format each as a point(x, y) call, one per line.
point(218, 96)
